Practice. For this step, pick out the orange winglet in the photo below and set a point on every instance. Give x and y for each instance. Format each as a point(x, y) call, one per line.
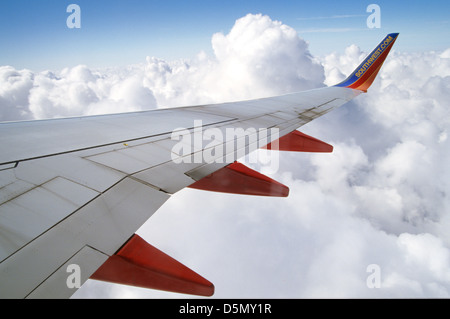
point(299, 142)
point(237, 178)
point(140, 264)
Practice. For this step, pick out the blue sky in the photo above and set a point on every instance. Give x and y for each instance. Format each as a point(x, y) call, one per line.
point(34, 33)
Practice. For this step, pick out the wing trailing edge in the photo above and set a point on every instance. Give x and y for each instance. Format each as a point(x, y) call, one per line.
point(140, 264)
point(236, 178)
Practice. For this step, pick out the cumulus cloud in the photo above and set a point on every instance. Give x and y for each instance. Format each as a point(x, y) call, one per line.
point(381, 198)
point(269, 54)
point(70, 92)
point(338, 66)
point(258, 57)
point(14, 88)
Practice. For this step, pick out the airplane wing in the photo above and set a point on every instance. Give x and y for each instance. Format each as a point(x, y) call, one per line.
point(74, 191)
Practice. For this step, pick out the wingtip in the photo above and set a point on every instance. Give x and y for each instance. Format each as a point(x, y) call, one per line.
point(364, 75)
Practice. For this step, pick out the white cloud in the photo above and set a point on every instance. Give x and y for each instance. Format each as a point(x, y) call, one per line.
point(14, 86)
point(71, 92)
point(382, 196)
point(258, 57)
point(270, 55)
point(338, 67)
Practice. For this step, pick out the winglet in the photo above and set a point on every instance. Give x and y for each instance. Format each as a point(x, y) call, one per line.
point(365, 73)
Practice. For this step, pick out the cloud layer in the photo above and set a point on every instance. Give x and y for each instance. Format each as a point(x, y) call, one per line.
point(381, 198)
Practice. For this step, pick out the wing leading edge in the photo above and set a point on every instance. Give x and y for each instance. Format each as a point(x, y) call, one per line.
point(73, 192)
